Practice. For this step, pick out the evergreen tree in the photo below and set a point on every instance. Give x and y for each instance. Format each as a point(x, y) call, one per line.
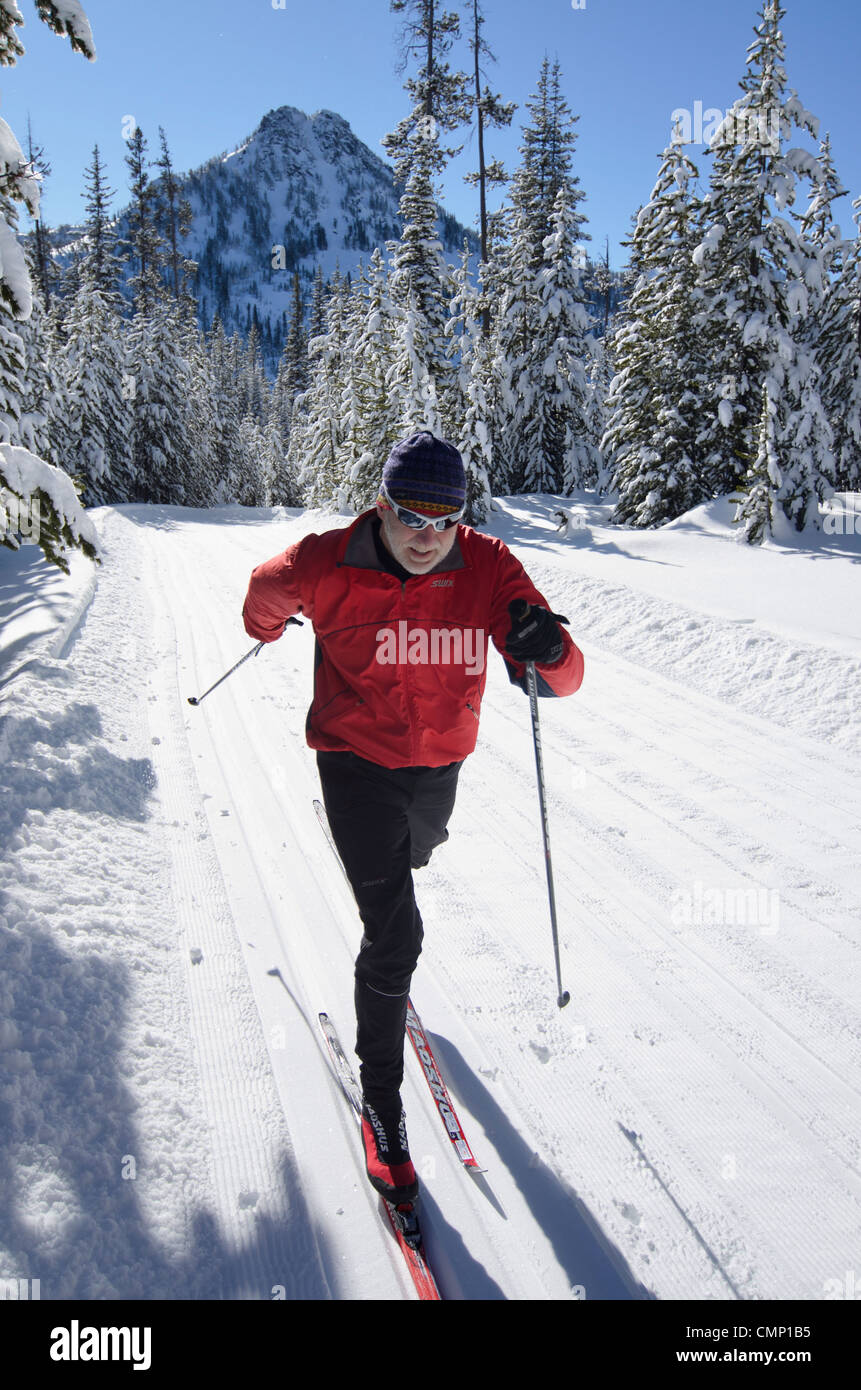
point(317, 313)
point(225, 416)
point(654, 407)
point(254, 488)
point(43, 406)
point(560, 450)
point(756, 269)
point(173, 217)
point(758, 512)
point(317, 434)
point(202, 474)
point(102, 259)
point(490, 111)
point(547, 152)
point(837, 337)
point(467, 410)
point(96, 439)
point(280, 485)
point(421, 284)
point(159, 379)
point(46, 272)
point(422, 289)
point(545, 201)
point(292, 377)
point(98, 419)
point(439, 97)
point(145, 244)
point(371, 420)
point(252, 384)
point(24, 477)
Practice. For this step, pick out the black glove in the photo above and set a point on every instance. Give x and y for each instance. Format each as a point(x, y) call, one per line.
point(534, 634)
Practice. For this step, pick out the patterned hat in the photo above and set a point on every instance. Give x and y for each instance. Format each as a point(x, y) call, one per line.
point(426, 474)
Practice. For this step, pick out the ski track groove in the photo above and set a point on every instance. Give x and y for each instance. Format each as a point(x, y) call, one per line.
point(249, 1139)
point(307, 967)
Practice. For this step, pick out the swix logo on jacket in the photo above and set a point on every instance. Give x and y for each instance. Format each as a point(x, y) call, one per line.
point(398, 713)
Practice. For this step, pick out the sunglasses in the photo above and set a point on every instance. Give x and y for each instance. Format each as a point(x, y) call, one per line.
point(414, 520)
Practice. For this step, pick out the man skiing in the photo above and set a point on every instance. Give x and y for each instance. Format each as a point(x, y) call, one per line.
point(402, 603)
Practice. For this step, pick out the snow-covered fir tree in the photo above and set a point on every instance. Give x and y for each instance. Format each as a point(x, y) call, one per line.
point(42, 421)
point(440, 101)
point(421, 280)
point(252, 385)
point(292, 377)
point(26, 480)
point(96, 438)
point(758, 273)
point(489, 112)
point(45, 272)
point(145, 247)
point(158, 375)
point(422, 289)
point(758, 513)
point(559, 446)
point(102, 254)
point(837, 335)
point(173, 219)
point(224, 414)
point(653, 406)
point(467, 411)
point(158, 383)
point(369, 409)
point(529, 293)
point(317, 431)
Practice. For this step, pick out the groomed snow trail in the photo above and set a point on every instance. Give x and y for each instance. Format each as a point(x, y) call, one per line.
point(686, 1128)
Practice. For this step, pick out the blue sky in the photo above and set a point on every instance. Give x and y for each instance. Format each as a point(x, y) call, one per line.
point(208, 70)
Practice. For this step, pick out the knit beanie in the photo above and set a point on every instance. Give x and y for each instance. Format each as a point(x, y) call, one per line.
point(426, 475)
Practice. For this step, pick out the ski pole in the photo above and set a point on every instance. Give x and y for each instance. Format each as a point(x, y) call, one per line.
point(562, 996)
point(196, 699)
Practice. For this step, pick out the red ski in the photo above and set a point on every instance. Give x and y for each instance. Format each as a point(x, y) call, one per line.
point(438, 1089)
point(403, 1218)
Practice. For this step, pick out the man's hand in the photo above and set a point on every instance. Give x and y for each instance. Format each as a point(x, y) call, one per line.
point(534, 634)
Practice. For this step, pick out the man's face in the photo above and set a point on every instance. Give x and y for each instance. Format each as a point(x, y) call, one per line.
point(417, 551)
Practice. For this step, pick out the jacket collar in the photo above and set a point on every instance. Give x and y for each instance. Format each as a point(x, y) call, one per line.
point(358, 549)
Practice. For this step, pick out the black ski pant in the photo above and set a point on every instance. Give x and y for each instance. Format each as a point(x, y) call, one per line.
point(385, 822)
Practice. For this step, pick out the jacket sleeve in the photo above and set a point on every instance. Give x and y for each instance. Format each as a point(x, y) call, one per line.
point(276, 592)
point(512, 582)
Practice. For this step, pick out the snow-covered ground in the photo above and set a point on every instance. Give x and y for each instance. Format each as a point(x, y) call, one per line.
point(172, 920)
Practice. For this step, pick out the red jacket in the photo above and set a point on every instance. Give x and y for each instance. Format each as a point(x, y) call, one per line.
point(400, 666)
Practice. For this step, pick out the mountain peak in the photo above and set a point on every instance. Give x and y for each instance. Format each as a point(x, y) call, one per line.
point(299, 192)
